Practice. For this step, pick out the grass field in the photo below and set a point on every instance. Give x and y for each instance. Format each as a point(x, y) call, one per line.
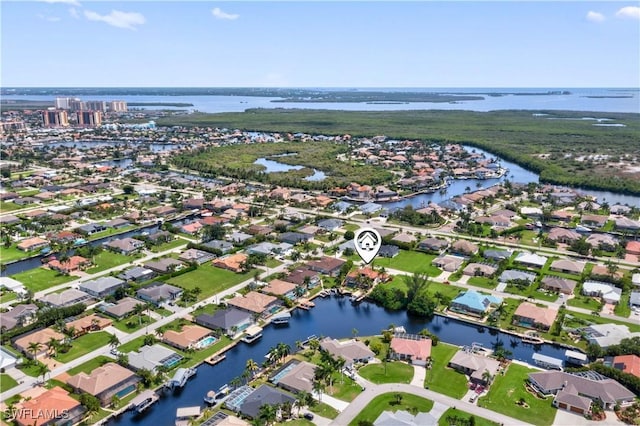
point(169, 245)
point(584, 302)
point(481, 282)
point(90, 365)
point(344, 388)
point(455, 414)
point(388, 402)
point(13, 253)
point(84, 344)
point(508, 389)
point(107, 260)
point(324, 410)
point(132, 345)
point(442, 379)
point(39, 279)
point(410, 261)
point(393, 372)
point(7, 382)
point(6, 207)
point(209, 279)
point(132, 323)
point(8, 296)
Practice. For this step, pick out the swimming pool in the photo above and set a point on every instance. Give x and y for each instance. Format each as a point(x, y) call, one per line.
point(283, 372)
point(207, 341)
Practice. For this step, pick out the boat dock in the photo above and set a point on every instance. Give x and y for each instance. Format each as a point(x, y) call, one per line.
point(252, 334)
point(213, 360)
point(143, 401)
point(180, 377)
point(281, 318)
point(186, 415)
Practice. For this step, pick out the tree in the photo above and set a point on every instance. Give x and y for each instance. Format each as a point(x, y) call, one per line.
point(487, 377)
point(43, 370)
point(318, 386)
point(398, 397)
point(282, 350)
point(52, 346)
point(349, 235)
point(213, 232)
point(128, 189)
point(268, 413)
point(146, 376)
point(416, 283)
point(91, 403)
point(139, 310)
point(115, 401)
point(114, 341)
point(252, 367)
point(33, 348)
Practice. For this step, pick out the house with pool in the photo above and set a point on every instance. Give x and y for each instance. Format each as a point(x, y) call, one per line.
point(104, 382)
point(231, 321)
point(189, 337)
point(153, 357)
point(474, 303)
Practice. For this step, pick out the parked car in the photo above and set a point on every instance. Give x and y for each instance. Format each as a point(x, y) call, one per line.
point(308, 416)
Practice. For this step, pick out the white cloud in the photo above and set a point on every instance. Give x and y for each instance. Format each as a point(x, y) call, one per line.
point(71, 2)
point(219, 14)
point(595, 16)
point(48, 18)
point(74, 13)
point(631, 12)
point(117, 18)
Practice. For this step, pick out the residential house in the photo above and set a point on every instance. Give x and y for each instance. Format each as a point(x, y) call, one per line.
point(634, 300)
point(576, 392)
point(102, 287)
point(531, 212)
point(304, 276)
point(364, 276)
point(239, 237)
point(605, 335)
point(606, 242)
point(531, 316)
point(105, 381)
point(88, 323)
point(159, 293)
point(232, 262)
point(164, 266)
point(126, 246)
point(192, 228)
point(633, 248)
point(123, 308)
point(412, 348)
point(510, 275)
point(330, 225)
point(330, 266)
point(223, 246)
point(259, 230)
point(563, 235)
point(447, 262)
point(299, 376)
point(263, 395)
point(72, 264)
point(497, 255)
point(256, 303)
point(605, 273)
point(353, 351)
point(606, 291)
point(567, 266)
point(281, 288)
point(53, 407)
point(19, 316)
point(163, 211)
point(480, 269)
point(433, 244)
point(389, 251)
point(137, 274)
point(117, 223)
point(531, 260)
point(160, 237)
point(629, 364)
point(558, 284)
point(41, 337)
point(66, 298)
point(594, 220)
point(91, 228)
point(197, 256)
point(31, 244)
point(189, 337)
point(626, 224)
point(294, 237)
point(474, 303)
point(404, 237)
point(153, 357)
point(475, 366)
point(269, 249)
point(231, 320)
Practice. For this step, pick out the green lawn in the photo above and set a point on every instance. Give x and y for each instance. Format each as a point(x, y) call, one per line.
point(9, 207)
point(344, 388)
point(508, 389)
point(169, 245)
point(107, 260)
point(85, 344)
point(132, 345)
point(585, 302)
point(163, 311)
point(13, 253)
point(7, 382)
point(272, 262)
point(634, 326)
point(39, 279)
point(410, 261)
point(90, 365)
point(31, 369)
point(394, 372)
point(388, 402)
point(456, 417)
point(8, 296)
point(110, 231)
point(443, 379)
point(209, 279)
point(482, 282)
point(622, 309)
point(132, 323)
point(324, 410)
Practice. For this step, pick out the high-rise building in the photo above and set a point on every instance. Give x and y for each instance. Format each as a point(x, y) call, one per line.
point(118, 106)
point(97, 106)
point(89, 118)
point(55, 118)
point(62, 103)
point(77, 105)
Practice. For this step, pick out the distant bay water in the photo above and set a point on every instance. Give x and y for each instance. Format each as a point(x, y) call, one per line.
point(577, 99)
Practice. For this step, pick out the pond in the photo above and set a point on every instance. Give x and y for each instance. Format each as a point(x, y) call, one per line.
point(272, 166)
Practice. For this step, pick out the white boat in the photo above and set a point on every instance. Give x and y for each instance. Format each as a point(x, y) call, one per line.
point(210, 397)
point(252, 334)
point(282, 318)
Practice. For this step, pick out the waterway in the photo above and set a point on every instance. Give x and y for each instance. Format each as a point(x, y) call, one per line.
point(89, 144)
point(332, 317)
point(272, 166)
point(580, 99)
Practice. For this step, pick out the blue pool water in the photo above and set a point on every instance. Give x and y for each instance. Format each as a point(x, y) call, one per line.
point(207, 341)
point(283, 372)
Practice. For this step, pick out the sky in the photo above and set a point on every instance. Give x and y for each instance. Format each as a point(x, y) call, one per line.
point(75, 43)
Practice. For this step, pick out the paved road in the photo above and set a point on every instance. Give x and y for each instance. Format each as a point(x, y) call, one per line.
point(361, 401)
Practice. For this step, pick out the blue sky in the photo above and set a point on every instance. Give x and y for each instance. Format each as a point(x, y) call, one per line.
point(320, 44)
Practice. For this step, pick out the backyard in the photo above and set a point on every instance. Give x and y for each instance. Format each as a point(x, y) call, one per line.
point(410, 261)
point(443, 379)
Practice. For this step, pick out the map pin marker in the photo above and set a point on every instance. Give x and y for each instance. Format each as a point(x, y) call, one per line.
point(367, 242)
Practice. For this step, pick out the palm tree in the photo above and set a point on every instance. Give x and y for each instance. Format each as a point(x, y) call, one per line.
point(286, 409)
point(114, 341)
point(339, 363)
point(43, 370)
point(115, 401)
point(138, 310)
point(486, 376)
point(33, 348)
point(314, 345)
point(252, 367)
point(268, 413)
point(303, 399)
point(283, 350)
point(319, 387)
point(52, 346)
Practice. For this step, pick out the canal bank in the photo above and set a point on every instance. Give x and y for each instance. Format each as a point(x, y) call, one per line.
point(335, 317)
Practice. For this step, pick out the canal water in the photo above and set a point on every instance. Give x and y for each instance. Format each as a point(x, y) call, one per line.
point(272, 166)
point(332, 317)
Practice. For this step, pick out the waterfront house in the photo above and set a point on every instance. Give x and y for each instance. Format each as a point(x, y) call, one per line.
point(366, 277)
point(474, 303)
point(304, 276)
point(259, 230)
point(72, 264)
point(298, 378)
point(412, 348)
point(104, 382)
point(626, 224)
point(101, 287)
point(52, 407)
point(263, 395)
point(326, 265)
point(531, 212)
point(39, 336)
point(474, 365)
point(189, 337)
point(153, 357)
point(31, 244)
point(232, 262)
point(126, 246)
point(231, 320)
point(577, 391)
point(68, 297)
point(256, 303)
point(353, 351)
point(117, 223)
point(19, 316)
point(594, 220)
point(531, 316)
point(192, 228)
point(606, 242)
point(563, 235)
point(158, 293)
point(280, 288)
point(558, 284)
point(91, 228)
point(605, 335)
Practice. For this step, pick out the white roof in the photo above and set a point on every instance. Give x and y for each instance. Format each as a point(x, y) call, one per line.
point(188, 411)
point(575, 355)
point(635, 278)
point(11, 284)
point(531, 258)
